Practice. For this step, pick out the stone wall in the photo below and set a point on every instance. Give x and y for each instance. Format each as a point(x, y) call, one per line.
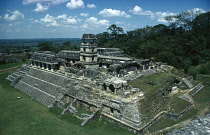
point(111, 52)
point(182, 83)
point(199, 126)
point(196, 89)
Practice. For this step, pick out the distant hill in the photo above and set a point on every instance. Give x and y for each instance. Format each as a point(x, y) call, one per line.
point(33, 42)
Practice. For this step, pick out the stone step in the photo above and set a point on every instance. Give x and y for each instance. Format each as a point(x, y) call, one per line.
point(36, 94)
point(189, 84)
point(9, 79)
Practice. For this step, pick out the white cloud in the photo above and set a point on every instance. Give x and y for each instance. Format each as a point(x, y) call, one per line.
point(139, 11)
point(103, 22)
point(48, 2)
point(26, 2)
point(119, 22)
point(57, 2)
point(49, 21)
point(43, 5)
point(61, 20)
point(40, 8)
point(10, 25)
point(93, 22)
point(70, 21)
point(84, 14)
point(113, 13)
point(136, 10)
point(64, 19)
point(79, 20)
point(159, 16)
point(74, 4)
point(91, 6)
point(16, 15)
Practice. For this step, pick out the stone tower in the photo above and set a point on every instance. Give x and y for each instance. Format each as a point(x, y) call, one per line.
point(88, 51)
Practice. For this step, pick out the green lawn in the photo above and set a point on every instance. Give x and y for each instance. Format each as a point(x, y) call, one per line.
point(25, 116)
point(10, 65)
point(177, 104)
point(179, 73)
point(158, 79)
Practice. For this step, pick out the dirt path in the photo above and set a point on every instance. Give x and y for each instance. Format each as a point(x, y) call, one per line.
point(170, 69)
point(9, 68)
point(179, 125)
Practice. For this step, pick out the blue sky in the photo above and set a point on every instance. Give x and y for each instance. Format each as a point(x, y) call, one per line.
point(71, 18)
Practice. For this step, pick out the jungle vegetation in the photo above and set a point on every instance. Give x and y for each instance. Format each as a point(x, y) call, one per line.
point(185, 42)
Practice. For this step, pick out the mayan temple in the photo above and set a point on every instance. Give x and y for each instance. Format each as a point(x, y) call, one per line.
point(93, 79)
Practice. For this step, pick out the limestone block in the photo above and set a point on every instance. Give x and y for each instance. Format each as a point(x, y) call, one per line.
point(116, 112)
point(106, 109)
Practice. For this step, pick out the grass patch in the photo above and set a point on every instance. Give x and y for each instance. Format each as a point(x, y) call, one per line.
point(158, 81)
point(177, 104)
point(10, 65)
point(179, 73)
point(204, 94)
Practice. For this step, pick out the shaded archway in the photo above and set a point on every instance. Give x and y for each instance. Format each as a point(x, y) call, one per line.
point(111, 87)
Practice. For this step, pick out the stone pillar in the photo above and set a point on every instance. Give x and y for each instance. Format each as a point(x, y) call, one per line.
point(52, 67)
point(107, 88)
point(42, 65)
point(38, 64)
point(47, 66)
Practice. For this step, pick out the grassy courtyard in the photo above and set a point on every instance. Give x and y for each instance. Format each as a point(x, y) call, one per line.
point(152, 81)
point(201, 107)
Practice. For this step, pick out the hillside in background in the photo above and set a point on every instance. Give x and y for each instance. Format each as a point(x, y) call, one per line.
point(32, 43)
point(182, 44)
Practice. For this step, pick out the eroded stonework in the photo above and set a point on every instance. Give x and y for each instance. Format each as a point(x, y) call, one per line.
point(94, 79)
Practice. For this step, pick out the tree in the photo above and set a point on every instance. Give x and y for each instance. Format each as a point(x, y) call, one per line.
point(115, 30)
point(45, 46)
point(67, 43)
point(201, 24)
point(102, 38)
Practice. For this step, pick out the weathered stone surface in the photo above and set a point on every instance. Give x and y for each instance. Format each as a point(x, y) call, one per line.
point(199, 126)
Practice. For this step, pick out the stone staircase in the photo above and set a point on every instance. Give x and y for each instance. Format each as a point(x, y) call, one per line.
point(36, 94)
point(40, 85)
point(192, 92)
point(187, 97)
point(70, 108)
point(189, 84)
point(89, 118)
point(196, 89)
point(18, 74)
point(45, 86)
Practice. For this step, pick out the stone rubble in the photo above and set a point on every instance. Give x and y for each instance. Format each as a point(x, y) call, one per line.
point(199, 126)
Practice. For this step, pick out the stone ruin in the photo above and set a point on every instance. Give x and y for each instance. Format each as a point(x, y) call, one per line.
point(199, 126)
point(93, 79)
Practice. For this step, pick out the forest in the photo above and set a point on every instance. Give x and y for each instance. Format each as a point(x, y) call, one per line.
point(184, 43)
